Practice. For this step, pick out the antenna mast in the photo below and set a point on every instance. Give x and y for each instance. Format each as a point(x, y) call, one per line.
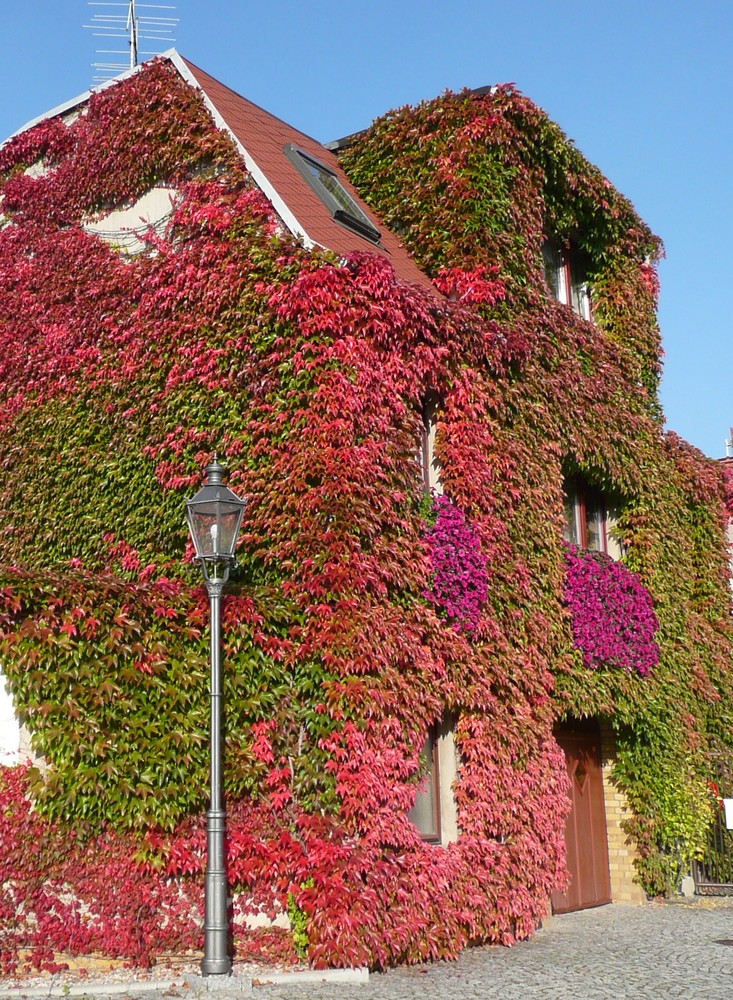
point(129, 22)
point(132, 27)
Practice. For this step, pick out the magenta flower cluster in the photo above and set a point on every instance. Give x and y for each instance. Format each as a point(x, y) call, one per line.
point(613, 617)
point(460, 582)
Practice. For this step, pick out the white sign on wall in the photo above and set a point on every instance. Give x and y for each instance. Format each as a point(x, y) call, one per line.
point(9, 727)
point(728, 806)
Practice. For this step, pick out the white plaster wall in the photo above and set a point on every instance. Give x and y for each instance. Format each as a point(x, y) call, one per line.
point(448, 774)
point(433, 466)
point(124, 226)
point(615, 549)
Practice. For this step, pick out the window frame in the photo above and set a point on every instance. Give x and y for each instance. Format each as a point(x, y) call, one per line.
point(584, 499)
point(429, 753)
point(565, 276)
point(352, 216)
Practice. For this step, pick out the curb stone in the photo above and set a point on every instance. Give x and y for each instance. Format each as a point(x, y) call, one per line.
point(92, 989)
point(196, 985)
point(313, 977)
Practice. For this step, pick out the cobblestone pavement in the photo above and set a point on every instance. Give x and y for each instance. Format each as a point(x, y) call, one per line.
point(665, 950)
point(676, 951)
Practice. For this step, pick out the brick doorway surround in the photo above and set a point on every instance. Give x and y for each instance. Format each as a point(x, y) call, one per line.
point(621, 851)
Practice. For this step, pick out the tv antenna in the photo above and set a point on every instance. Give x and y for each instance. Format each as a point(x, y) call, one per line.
point(131, 23)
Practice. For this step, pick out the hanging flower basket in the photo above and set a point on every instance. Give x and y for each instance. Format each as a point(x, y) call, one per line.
point(460, 584)
point(614, 622)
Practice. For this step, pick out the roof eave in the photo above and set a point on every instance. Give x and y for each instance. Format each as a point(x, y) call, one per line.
point(75, 102)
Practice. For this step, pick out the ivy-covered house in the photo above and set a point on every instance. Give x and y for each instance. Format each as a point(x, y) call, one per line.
point(477, 649)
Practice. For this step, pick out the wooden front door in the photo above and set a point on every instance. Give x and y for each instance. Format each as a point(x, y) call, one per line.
point(585, 830)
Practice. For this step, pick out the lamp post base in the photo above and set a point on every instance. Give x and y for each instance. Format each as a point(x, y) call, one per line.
point(217, 960)
point(221, 969)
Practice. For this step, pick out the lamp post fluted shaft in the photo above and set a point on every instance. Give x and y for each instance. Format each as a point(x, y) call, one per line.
point(217, 959)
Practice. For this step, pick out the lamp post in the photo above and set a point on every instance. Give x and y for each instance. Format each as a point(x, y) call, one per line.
point(214, 517)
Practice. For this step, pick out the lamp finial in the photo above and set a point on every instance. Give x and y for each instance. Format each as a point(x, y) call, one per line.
point(214, 472)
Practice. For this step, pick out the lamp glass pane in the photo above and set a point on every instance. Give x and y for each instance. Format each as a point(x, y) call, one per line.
point(214, 527)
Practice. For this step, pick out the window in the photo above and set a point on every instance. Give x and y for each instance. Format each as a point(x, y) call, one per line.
point(425, 814)
point(586, 516)
point(566, 276)
point(332, 193)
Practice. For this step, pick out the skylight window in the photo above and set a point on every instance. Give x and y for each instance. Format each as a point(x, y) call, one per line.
point(332, 193)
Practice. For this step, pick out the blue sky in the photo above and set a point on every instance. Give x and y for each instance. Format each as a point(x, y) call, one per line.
point(644, 87)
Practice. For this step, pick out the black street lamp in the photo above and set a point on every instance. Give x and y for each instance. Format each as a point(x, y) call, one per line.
point(214, 517)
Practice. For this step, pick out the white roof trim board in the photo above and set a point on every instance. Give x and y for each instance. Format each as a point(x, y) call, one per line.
point(259, 177)
point(75, 102)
